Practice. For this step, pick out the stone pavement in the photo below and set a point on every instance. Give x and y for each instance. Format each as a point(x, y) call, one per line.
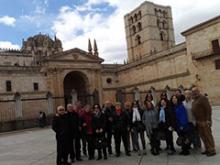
point(37, 147)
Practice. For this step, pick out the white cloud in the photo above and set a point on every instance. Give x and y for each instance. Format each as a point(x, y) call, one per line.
point(74, 28)
point(38, 17)
point(7, 20)
point(8, 45)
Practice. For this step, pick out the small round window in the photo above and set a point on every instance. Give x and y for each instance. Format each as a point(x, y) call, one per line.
point(109, 80)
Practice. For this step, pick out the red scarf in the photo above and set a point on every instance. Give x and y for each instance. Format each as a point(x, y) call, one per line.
point(118, 111)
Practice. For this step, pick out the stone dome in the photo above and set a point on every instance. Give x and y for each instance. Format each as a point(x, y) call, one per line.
point(43, 43)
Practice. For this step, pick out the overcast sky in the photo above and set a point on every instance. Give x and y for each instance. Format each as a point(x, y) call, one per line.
point(74, 21)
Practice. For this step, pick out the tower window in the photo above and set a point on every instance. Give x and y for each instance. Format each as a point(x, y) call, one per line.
point(164, 25)
point(215, 46)
point(138, 40)
point(158, 23)
point(164, 14)
point(133, 29)
point(162, 36)
point(130, 20)
point(8, 86)
point(36, 87)
point(139, 15)
point(159, 12)
point(135, 17)
point(139, 26)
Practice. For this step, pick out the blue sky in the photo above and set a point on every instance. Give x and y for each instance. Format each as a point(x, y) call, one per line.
point(74, 21)
point(35, 16)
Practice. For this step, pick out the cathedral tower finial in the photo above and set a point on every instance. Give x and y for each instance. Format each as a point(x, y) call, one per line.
point(96, 53)
point(89, 47)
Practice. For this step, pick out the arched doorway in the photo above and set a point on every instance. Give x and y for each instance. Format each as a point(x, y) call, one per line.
point(75, 88)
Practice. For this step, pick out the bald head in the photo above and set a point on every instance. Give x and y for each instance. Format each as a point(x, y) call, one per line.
point(108, 104)
point(69, 107)
point(195, 92)
point(188, 94)
point(60, 110)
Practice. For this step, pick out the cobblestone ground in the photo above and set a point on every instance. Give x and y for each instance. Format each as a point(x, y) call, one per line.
point(37, 147)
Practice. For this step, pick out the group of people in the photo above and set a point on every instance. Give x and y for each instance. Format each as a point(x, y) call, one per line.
point(93, 128)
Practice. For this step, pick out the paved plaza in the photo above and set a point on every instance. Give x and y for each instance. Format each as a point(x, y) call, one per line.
point(38, 146)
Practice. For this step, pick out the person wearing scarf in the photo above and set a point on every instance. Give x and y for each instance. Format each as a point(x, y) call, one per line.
point(138, 128)
point(120, 128)
point(89, 132)
point(166, 125)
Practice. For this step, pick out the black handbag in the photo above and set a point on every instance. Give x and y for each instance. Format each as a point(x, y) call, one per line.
point(140, 126)
point(100, 142)
point(161, 135)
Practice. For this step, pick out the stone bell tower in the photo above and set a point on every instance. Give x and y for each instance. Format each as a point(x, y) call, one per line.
point(149, 29)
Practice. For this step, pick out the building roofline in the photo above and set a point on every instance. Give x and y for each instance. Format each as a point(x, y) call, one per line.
point(143, 3)
point(201, 25)
point(181, 47)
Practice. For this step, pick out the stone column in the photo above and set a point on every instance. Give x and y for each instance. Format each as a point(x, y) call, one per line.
point(50, 103)
point(18, 106)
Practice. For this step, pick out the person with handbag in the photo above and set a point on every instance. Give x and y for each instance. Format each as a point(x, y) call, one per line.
point(98, 124)
point(166, 124)
point(137, 127)
point(150, 120)
point(182, 124)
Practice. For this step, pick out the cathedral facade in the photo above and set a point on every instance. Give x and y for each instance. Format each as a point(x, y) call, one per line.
point(41, 75)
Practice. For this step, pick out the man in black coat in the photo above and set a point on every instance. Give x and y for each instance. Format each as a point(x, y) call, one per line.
point(73, 119)
point(109, 113)
point(98, 125)
point(60, 125)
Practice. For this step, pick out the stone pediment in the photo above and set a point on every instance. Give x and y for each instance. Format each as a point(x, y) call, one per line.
point(72, 55)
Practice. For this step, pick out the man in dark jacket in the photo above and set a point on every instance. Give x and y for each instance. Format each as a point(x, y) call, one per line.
point(60, 125)
point(120, 127)
point(109, 112)
point(98, 125)
point(202, 112)
point(73, 120)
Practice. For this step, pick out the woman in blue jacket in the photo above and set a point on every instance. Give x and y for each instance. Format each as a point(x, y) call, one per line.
point(182, 127)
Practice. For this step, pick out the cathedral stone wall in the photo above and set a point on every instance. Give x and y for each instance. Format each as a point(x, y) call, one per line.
point(22, 81)
point(15, 59)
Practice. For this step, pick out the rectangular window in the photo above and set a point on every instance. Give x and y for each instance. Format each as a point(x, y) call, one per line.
point(215, 46)
point(217, 64)
point(8, 86)
point(36, 87)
